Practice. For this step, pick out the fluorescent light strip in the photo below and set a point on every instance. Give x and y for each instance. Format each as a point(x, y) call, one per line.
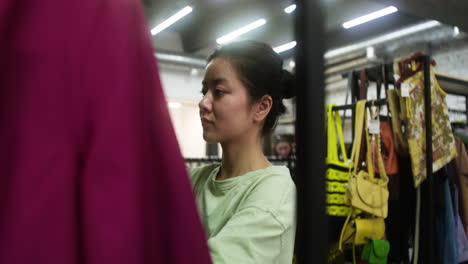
point(290, 9)
point(369, 17)
point(285, 47)
point(168, 22)
point(384, 38)
point(236, 33)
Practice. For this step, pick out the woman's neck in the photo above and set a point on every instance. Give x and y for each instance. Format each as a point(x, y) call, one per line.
point(242, 156)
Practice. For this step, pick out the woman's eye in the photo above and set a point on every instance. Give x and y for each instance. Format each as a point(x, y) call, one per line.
point(218, 92)
point(203, 92)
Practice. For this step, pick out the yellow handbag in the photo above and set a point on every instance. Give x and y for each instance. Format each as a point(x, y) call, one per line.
point(338, 171)
point(365, 192)
point(357, 230)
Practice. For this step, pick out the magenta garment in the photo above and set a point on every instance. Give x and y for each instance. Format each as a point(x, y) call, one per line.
point(90, 170)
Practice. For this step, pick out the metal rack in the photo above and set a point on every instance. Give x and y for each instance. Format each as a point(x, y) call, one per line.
point(455, 86)
point(385, 70)
point(312, 222)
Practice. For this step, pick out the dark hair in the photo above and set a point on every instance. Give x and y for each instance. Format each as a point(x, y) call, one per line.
point(260, 68)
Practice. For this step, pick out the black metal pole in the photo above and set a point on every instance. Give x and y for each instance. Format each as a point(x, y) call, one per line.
point(430, 250)
point(312, 233)
point(466, 107)
point(378, 102)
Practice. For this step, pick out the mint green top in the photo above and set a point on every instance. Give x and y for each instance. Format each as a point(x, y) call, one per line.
point(249, 218)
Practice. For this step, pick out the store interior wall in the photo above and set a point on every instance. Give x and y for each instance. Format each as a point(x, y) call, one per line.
point(182, 86)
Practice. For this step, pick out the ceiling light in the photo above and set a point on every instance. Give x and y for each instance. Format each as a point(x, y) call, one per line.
point(370, 52)
point(236, 33)
point(292, 64)
point(174, 105)
point(382, 39)
point(168, 22)
point(369, 17)
point(290, 9)
point(285, 47)
point(194, 72)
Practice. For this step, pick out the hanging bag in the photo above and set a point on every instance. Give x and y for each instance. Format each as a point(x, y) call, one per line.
point(365, 192)
point(376, 251)
point(357, 229)
point(410, 70)
point(338, 170)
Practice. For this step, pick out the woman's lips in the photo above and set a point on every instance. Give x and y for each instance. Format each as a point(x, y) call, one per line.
point(205, 122)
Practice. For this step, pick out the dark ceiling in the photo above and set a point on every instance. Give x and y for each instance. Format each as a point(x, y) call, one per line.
point(211, 19)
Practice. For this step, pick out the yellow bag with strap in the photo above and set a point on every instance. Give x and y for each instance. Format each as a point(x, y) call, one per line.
point(357, 230)
point(365, 192)
point(338, 171)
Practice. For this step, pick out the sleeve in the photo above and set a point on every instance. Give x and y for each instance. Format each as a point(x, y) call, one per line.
point(137, 201)
point(252, 235)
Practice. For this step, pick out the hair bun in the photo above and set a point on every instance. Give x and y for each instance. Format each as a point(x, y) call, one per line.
point(288, 85)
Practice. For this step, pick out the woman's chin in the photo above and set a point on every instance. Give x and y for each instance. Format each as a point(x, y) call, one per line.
point(209, 138)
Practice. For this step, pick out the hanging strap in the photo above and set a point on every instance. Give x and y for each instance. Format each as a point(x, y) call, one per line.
point(358, 130)
point(363, 84)
point(361, 123)
point(345, 225)
point(370, 163)
point(339, 129)
point(334, 122)
point(331, 135)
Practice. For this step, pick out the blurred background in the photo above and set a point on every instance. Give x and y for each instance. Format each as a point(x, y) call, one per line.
point(185, 32)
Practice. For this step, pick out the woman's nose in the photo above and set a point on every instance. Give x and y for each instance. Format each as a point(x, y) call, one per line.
point(205, 104)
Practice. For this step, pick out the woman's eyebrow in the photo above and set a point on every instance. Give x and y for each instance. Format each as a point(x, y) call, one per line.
point(214, 81)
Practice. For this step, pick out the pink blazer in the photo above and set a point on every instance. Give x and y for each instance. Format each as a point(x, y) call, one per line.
point(90, 170)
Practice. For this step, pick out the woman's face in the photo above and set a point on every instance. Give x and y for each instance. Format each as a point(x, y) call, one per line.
point(283, 149)
point(225, 110)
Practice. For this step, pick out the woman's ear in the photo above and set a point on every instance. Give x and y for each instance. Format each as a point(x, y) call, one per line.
point(262, 108)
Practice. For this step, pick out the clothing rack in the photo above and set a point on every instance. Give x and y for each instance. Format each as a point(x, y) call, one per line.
point(455, 86)
point(430, 253)
point(384, 73)
point(378, 102)
point(457, 111)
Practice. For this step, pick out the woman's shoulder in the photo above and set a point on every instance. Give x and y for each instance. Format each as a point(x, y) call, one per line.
point(274, 188)
point(202, 173)
point(206, 169)
point(276, 176)
point(274, 192)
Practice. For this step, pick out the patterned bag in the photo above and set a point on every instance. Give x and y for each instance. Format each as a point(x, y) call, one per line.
point(337, 173)
point(443, 142)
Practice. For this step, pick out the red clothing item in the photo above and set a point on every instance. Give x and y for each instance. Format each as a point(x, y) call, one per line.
point(90, 170)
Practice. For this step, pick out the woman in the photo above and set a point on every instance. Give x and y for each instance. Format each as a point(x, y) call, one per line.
point(283, 148)
point(247, 205)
